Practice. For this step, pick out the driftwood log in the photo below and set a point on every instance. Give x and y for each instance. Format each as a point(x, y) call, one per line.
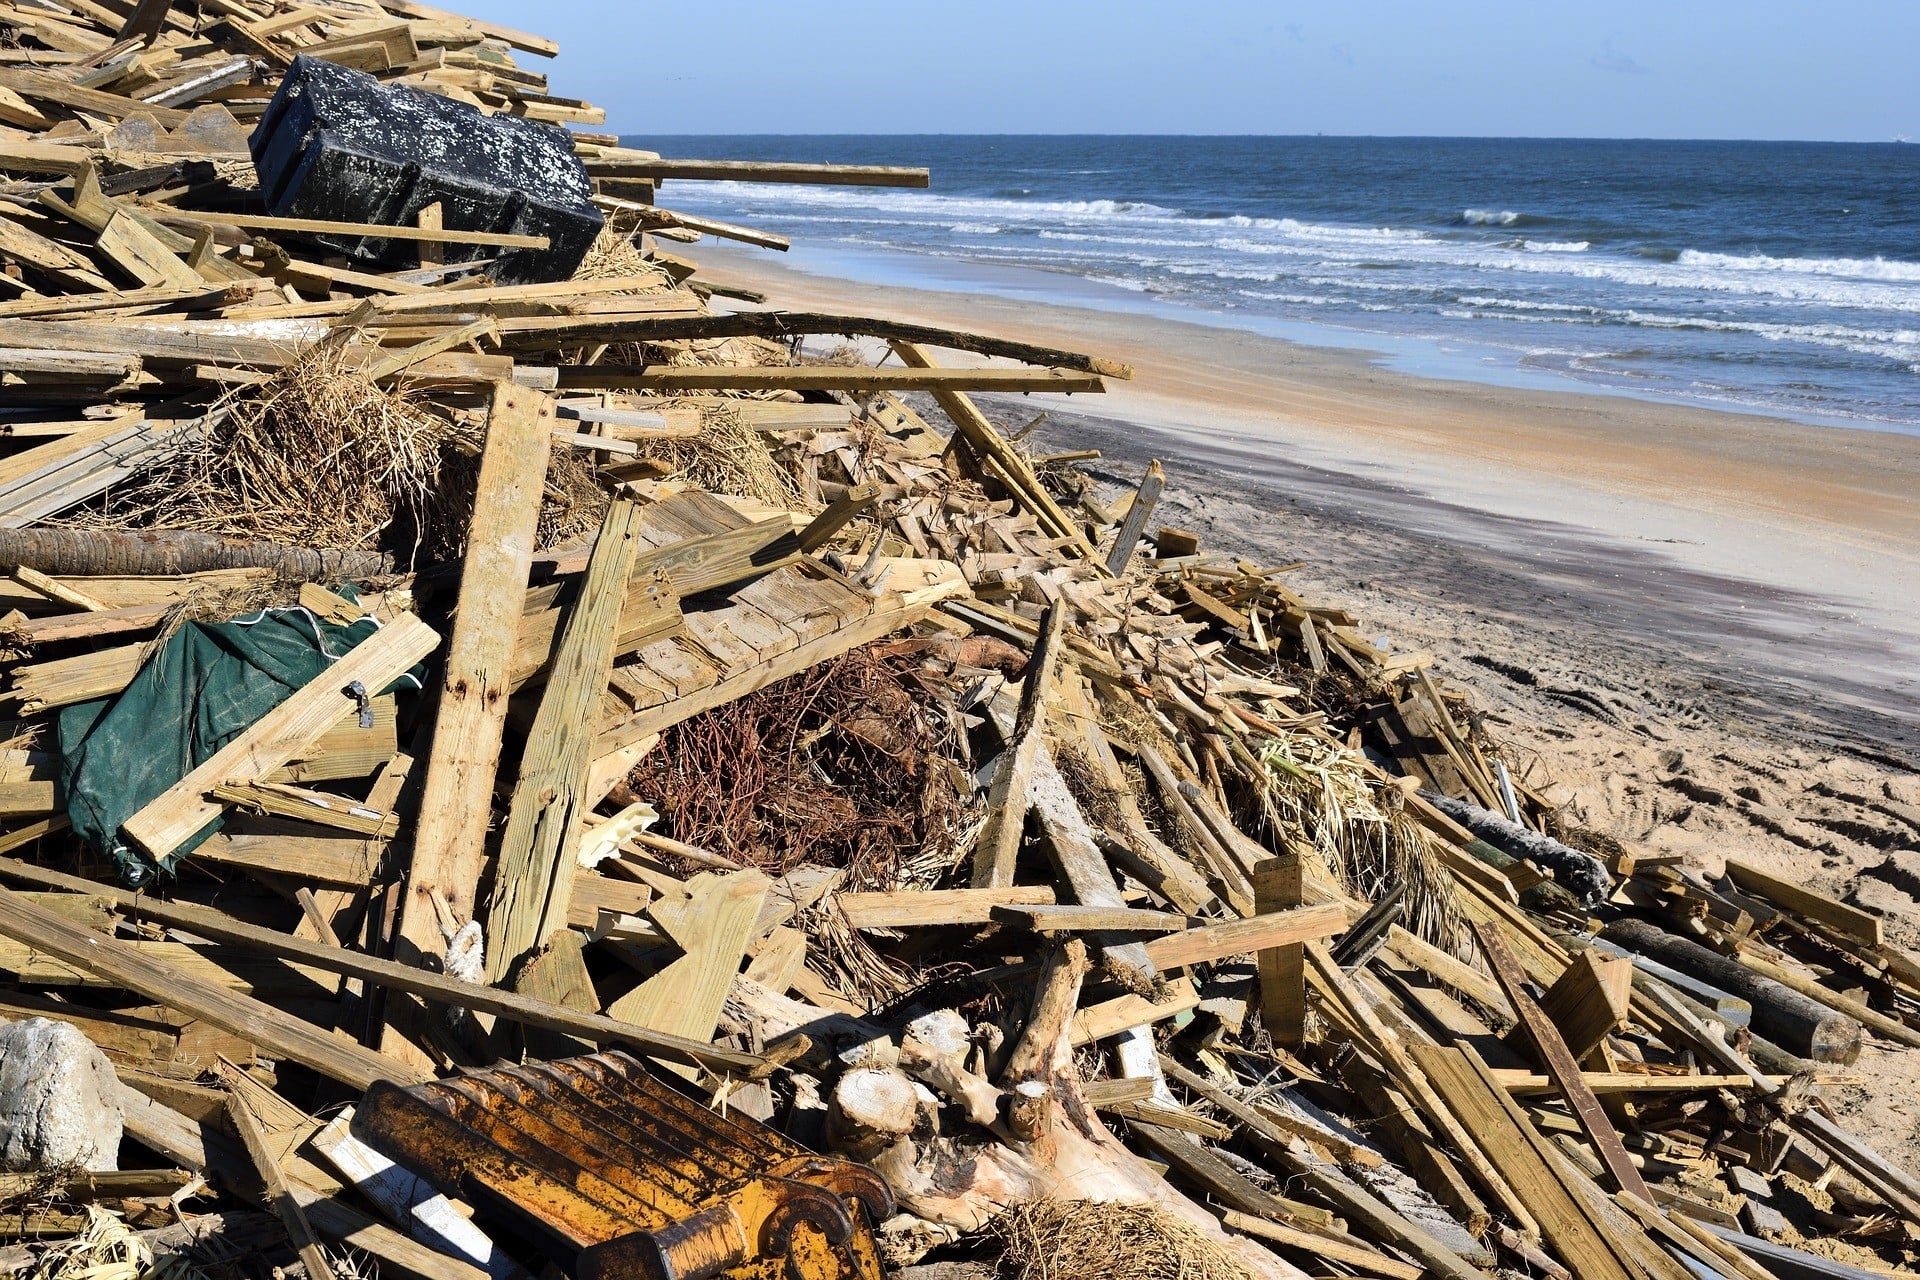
point(104, 553)
point(1580, 873)
point(1784, 1016)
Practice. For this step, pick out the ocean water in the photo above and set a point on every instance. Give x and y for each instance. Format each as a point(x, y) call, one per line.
point(1782, 278)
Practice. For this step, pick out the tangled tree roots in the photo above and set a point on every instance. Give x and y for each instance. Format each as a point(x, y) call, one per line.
point(1082, 1240)
point(841, 765)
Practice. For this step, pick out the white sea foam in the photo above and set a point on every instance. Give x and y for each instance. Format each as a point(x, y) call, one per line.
point(1859, 268)
point(975, 228)
point(1555, 246)
point(1489, 217)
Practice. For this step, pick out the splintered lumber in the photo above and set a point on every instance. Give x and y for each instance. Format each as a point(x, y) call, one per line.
point(1367, 1261)
point(279, 1194)
point(1137, 515)
point(1347, 1197)
point(980, 434)
point(533, 883)
point(1836, 917)
point(253, 1020)
point(217, 926)
point(449, 842)
point(320, 226)
point(1009, 796)
point(1793, 1021)
point(1079, 919)
point(1560, 1063)
point(1872, 1019)
point(712, 925)
point(841, 175)
point(1243, 937)
point(179, 813)
point(1564, 1214)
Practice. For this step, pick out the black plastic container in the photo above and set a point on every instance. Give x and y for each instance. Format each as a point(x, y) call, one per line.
point(337, 144)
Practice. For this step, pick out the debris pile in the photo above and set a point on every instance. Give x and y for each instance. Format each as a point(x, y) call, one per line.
point(510, 767)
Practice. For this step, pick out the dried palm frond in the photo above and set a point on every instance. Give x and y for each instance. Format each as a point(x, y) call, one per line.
point(1084, 1240)
point(1357, 827)
point(108, 1249)
point(728, 456)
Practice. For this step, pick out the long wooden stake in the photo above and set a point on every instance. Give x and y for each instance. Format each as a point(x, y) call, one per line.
point(449, 843)
point(299, 1230)
point(533, 884)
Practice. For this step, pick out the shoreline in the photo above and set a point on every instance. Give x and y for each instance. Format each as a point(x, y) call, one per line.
point(1792, 549)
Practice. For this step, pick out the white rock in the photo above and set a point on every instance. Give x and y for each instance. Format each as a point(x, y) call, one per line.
point(58, 1107)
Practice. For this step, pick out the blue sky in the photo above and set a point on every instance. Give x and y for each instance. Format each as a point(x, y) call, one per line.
point(1837, 69)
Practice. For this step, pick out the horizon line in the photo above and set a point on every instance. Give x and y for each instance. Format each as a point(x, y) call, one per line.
point(1893, 140)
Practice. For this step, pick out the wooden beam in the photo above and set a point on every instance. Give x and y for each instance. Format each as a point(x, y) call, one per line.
point(1279, 884)
point(254, 1137)
point(838, 175)
point(712, 925)
point(533, 879)
point(660, 379)
point(1559, 1062)
point(787, 324)
point(925, 908)
point(1135, 523)
point(217, 926)
point(279, 1033)
point(368, 230)
point(449, 842)
point(1837, 917)
point(179, 813)
point(1242, 937)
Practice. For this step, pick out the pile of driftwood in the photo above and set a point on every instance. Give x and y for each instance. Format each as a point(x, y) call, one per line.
point(788, 724)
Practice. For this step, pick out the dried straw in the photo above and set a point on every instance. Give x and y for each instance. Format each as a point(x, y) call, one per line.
point(108, 1249)
point(318, 455)
point(1083, 1240)
point(1358, 828)
point(728, 456)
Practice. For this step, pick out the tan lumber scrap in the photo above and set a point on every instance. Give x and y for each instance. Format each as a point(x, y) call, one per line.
point(1123, 1013)
point(990, 444)
point(420, 352)
point(70, 269)
point(916, 908)
point(1796, 899)
point(1395, 1119)
point(1358, 1007)
point(183, 809)
point(533, 879)
point(54, 589)
point(1085, 919)
point(254, 1137)
point(274, 1031)
point(220, 927)
point(1590, 1001)
point(1560, 1063)
point(997, 848)
point(1279, 884)
point(1872, 1019)
point(42, 86)
point(1251, 935)
point(134, 250)
point(456, 801)
point(712, 926)
point(1135, 522)
point(301, 805)
point(1511, 1140)
point(1367, 1261)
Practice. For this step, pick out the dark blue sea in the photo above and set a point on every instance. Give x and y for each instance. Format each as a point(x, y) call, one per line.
point(1782, 278)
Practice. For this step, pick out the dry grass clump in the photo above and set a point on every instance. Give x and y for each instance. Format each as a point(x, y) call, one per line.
point(318, 455)
point(1084, 1240)
point(615, 255)
point(1359, 829)
point(108, 1249)
point(728, 456)
point(841, 765)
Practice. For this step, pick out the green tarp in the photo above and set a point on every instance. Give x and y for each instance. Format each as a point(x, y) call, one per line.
point(206, 684)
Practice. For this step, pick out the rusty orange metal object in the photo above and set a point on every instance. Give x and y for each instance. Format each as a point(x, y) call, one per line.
point(611, 1168)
